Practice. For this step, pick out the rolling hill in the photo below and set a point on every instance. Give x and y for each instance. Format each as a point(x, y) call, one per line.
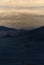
point(21, 47)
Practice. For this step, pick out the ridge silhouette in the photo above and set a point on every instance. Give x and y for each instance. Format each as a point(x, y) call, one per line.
point(30, 35)
point(20, 48)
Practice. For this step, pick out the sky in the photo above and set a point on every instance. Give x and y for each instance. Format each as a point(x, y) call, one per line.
point(22, 2)
point(22, 5)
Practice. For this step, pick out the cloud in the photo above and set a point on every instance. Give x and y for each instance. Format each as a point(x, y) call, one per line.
point(22, 2)
point(23, 5)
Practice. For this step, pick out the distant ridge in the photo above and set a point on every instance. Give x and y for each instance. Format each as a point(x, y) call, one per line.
point(5, 31)
point(39, 29)
point(6, 28)
point(37, 34)
point(29, 35)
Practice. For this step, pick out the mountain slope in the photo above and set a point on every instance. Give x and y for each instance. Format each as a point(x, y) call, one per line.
point(33, 35)
point(21, 48)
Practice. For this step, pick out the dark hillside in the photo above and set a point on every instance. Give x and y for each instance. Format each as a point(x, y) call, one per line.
point(21, 47)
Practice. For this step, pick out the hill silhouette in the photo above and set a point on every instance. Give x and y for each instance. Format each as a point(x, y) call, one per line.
point(37, 34)
point(21, 47)
point(30, 35)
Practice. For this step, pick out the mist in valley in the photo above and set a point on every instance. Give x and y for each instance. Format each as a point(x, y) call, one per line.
point(21, 20)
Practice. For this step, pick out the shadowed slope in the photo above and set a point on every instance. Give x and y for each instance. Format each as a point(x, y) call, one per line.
point(33, 35)
point(23, 47)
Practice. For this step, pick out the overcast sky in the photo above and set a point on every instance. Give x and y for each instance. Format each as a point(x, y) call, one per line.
point(28, 6)
point(22, 2)
point(37, 5)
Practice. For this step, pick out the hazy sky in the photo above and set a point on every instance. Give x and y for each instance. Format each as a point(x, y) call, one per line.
point(22, 2)
point(22, 6)
point(30, 5)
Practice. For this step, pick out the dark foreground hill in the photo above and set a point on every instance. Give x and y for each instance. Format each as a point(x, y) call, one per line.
point(21, 47)
point(33, 35)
